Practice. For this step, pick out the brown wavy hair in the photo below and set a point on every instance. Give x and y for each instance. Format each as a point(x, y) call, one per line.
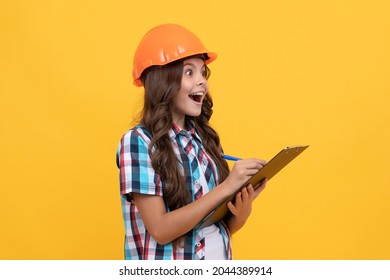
point(161, 85)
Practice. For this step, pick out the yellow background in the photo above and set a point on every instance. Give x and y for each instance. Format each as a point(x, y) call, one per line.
point(288, 73)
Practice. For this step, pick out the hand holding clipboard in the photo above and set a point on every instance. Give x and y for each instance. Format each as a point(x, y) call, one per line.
point(277, 163)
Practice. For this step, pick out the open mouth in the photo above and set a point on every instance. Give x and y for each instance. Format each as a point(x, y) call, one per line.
point(197, 96)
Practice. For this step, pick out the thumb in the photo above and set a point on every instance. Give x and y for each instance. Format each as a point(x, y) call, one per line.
point(232, 208)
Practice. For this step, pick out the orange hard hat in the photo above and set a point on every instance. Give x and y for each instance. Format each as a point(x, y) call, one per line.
point(164, 44)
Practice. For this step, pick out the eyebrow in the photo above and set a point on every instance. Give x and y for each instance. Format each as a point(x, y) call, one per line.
point(193, 65)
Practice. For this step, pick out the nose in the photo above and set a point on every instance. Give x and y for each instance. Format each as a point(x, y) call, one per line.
point(201, 80)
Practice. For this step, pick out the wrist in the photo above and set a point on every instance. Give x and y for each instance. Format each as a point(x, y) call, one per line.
point(224, 190)
point(234, 223)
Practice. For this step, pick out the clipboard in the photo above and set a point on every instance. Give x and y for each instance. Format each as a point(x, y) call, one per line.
point(277, 163)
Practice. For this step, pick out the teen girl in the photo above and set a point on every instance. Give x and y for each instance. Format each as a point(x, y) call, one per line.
point(172, 173)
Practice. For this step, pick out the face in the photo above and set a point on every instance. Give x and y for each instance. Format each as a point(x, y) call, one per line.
point(194, 87)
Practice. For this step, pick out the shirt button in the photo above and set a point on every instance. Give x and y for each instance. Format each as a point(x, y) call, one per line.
point(196, 182)
point(198, 244)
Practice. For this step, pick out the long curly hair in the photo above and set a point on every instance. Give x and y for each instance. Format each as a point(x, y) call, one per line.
point(161, 85)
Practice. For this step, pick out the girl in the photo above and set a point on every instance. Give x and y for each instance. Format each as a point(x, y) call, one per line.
point(172, 173)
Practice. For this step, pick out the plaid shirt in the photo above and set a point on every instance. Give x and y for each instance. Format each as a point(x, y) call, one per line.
point(137, 175)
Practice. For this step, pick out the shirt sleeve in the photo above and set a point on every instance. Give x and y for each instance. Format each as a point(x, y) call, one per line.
point(135, 168)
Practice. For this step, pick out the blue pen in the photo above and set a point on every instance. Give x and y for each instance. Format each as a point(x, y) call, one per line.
point(230, 157)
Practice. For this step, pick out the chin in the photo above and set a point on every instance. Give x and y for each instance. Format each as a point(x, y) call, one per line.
point(194, 114)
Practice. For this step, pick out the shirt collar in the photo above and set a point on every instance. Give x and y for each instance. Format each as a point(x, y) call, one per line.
point(177, 130)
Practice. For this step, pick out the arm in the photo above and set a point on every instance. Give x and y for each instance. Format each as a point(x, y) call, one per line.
point(167, 226)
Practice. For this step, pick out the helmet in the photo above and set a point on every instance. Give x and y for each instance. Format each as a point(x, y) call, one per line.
point(164, 44)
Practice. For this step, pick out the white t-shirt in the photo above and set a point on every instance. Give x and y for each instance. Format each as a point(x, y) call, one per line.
point(215, 247)
point(214, 243)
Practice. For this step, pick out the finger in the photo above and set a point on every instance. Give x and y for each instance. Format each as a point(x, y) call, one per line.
point(262, 162)
point(251, 163)
point(238, 201)
point(245, 194)
point(259, 190)
point(252, 171)
point(247, 168)
point(250, 190)
point(263, 182)
point(232, 208)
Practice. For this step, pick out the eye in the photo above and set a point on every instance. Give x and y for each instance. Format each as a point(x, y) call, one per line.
point(206, 72)
point(188, 72)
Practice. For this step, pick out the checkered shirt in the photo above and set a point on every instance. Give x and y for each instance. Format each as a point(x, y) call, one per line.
point(138, 176)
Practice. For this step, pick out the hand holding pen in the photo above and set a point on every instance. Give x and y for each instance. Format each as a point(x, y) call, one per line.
point(242, 170)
